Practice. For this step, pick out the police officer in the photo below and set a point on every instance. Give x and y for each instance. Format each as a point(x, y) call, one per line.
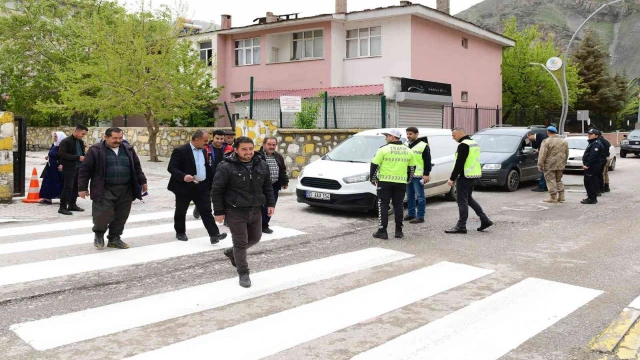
point(391, 170)
point(415, 190)
point(592, 164)
point(604, 177)
point(466, 171)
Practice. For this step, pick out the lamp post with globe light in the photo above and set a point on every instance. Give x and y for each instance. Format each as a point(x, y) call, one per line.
point(552, 63)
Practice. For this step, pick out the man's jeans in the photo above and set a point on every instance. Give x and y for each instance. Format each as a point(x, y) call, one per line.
point(542, 184)
point(415, 193)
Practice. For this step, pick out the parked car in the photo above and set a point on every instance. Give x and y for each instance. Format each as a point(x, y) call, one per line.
point(340, 179)
point(631, 144)
point(505, 157)
point(577, 146)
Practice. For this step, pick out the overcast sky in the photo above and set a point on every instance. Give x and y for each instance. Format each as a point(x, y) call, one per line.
point(244, 11)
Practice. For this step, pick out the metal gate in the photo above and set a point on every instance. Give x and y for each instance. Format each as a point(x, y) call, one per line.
point(19, 156)
point(419, 115)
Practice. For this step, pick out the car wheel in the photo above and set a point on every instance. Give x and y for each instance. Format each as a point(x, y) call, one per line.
point(513, 181)
point(612, 167)
point(452, 195)
point(623, 154)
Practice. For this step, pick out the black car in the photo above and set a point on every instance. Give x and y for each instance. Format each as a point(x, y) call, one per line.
point(506, 158)
point(631, 144)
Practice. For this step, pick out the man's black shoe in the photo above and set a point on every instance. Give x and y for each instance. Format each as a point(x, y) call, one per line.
point(399, 234)
point(117, 243)
point(182, 237)
point(381, 234)
point(409, 218)
point(456, 230)
point(229, 253)
point(538, 190)
point(64, 211)
point(589, 202)
point(75, 207)
point(245, 281)
point(196, 213)
point(607, 188)
point(216, 238)
point(98, 241)
point(485, 226)
point(599, 194)
point(267, 230)
point(417, 221)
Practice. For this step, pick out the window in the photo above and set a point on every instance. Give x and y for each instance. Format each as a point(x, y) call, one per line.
point(465, 43)
point(206, 52)
point(308, 45)
point(248, 52)
point(364, 42)
point(465, 96)
point(275, 55)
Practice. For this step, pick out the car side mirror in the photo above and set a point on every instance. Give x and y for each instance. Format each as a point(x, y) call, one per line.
point(528, 150)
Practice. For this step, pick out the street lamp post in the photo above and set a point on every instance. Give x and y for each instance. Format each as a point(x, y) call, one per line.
point(554, 78)
point(565, 107)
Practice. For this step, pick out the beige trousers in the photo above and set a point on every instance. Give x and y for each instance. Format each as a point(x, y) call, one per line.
point(554, 181)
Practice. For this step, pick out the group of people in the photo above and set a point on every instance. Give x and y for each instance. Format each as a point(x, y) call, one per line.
point(398, 169)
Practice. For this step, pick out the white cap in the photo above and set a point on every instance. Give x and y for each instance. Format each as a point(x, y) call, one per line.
point(393, 132)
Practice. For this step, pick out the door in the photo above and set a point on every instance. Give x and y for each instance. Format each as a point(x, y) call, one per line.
point(419, 115)
point(19, 156)
point(443, 149)
point(528, 162)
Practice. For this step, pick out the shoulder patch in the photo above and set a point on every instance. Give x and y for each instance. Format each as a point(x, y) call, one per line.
point(597, 149)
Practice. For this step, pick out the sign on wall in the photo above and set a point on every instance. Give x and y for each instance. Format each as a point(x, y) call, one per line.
point(425, 87)
point(290, 104)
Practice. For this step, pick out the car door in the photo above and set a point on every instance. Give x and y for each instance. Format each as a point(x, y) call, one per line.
point(528, 161)
point(443, 149)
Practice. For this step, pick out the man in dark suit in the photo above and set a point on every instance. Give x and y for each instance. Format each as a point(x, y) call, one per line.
point(71, 152)
point(190, 177)
point(536, 140)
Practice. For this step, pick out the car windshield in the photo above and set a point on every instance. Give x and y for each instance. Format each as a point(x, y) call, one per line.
point(578, 144)
point(357, 149)
point(498, 143)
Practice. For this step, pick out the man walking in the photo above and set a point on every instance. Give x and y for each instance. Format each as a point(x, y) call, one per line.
point(552, 160)
point(392, 168)
point(604, 179)
point(215, 155)
point(465, 173)
point(536, 140)
point(592, 162)
point(229, 139)
point(116, 180)
point(190, 177)
point(241, 188)
point(278, 173)
point(415, 189)
point(71, 153)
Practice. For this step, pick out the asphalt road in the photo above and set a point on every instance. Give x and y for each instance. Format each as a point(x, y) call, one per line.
point(540, 284)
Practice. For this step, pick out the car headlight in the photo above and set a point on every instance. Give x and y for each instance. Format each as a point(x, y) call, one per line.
point(625, 142)
point(301, 174)
point(491, 166)
point(356, 179)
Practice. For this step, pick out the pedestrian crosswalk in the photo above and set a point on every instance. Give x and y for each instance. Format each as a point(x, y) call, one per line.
point(487, 329)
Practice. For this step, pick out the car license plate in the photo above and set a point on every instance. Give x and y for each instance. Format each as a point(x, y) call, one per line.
point(635, 146)
point(318, 196)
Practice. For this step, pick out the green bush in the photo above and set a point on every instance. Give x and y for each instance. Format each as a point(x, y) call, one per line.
point(308, 117)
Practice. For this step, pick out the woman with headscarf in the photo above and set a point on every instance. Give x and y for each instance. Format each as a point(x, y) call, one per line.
point(52, 181)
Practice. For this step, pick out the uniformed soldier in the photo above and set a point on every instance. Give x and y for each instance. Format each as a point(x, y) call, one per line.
point(416, 199)
point(592, 162)
point(466, 172)
point(391, 170)
point(552, 160)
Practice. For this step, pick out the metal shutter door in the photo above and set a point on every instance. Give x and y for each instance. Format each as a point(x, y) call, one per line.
point(427, 116)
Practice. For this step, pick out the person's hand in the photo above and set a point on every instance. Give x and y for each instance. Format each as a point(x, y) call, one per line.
point(271, 211)
point(450, 183)
point(374, 183)
point(83, 194)
point(46, 157)
point(285, 187)
point(585, 167)
point(426, 179)
point(81, 158)
point(188, 178)
point(144, 188)
point(59, 167)
point(536, 151)
point(540, 169)
point(219, 219)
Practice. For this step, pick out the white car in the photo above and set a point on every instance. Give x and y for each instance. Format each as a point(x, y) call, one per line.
point(577, 146)
point(340, 179)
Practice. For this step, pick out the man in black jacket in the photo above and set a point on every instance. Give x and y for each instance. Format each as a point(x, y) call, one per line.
point(592, 161)
point(278, 172)
point(116, 180)
point(71, 154)
point(536, 140)
point(241, 187)
point(604, 178)
point(190, 175)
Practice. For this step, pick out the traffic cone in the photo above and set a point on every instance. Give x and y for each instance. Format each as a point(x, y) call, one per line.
point(34, 189)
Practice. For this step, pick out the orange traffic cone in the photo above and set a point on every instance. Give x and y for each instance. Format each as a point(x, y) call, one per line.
point(34, 189)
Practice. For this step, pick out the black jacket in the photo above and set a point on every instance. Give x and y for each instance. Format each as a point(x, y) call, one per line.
point(593, 155)
point(235, 188)
point(94, 167)
point(537, 143)
point(463, 154)
point(68, 152)
point(426, 154)
point(182, 163)
point(283, 178)
point(606, 145)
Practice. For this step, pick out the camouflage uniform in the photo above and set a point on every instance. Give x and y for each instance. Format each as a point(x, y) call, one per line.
point(554, 153)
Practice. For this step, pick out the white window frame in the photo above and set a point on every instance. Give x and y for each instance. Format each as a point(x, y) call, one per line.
point(363, 37)
point(301, 43)
point(239, 44)
point(208, 52)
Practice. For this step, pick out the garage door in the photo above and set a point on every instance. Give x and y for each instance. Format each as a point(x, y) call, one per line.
point(418, 115)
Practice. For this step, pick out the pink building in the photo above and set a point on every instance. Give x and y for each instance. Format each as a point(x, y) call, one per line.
point(454, 61)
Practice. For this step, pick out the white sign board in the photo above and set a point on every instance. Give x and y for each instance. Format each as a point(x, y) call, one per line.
point(583, 115)
point(555, 63)
point(290, 104)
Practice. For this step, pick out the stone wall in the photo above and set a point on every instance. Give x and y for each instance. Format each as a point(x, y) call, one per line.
point(6, 156)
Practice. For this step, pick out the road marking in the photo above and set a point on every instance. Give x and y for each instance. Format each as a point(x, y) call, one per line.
point(92, 323)
point(296, 326)
point(629, 348)
point(110, 259)
point(33, 245)
point(75, 225)
point(489, 328)
point(608, 339)
point(635, 303)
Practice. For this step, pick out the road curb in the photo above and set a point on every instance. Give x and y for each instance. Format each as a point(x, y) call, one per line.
point(614, 336)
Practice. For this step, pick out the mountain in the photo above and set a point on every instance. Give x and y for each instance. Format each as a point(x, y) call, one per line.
point(618, 25)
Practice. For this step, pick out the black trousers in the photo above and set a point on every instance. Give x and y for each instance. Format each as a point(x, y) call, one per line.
point(112, 211)
point(266, 218)
point(246, 231)
point(391, 192)
point(592, 181)
point(464, 187)
point(69, 194)
point(600, 176)
point(199, 194)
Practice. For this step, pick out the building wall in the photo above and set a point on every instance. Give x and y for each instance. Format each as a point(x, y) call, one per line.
point(437, 55)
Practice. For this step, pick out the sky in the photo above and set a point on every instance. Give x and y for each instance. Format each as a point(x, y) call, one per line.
point(244, 11)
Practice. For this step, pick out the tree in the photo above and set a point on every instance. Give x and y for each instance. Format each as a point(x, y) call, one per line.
point(529, 86)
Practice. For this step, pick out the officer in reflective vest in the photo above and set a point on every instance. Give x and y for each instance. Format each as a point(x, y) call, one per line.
point(415, 188)
point(391, 169)
point(466, 172)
